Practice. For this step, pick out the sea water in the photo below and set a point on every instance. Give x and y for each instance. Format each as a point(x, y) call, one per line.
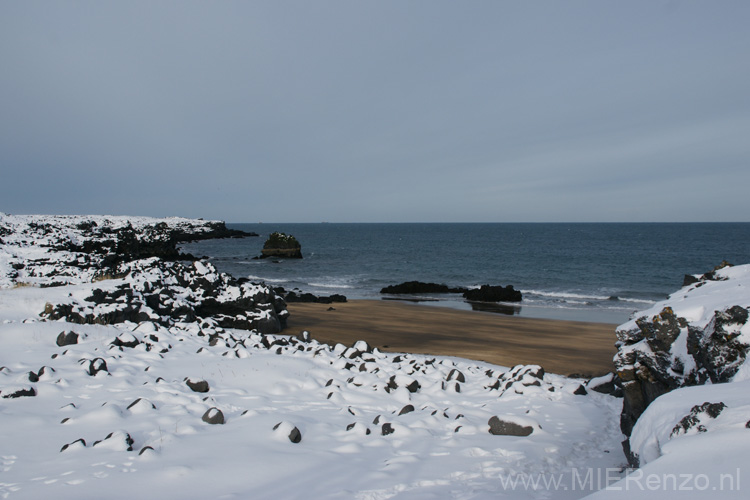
point(588, 271)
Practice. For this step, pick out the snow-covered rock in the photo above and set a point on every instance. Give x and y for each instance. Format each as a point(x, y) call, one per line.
point(699, 334)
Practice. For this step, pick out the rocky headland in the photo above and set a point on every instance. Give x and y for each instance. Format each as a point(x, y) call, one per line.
point(699, 336)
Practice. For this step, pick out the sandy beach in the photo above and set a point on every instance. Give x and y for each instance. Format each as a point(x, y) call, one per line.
point(563, 347)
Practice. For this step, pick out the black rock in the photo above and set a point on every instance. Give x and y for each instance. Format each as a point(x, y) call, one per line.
point(20, 393)
point(67, 338)
point(295, 436)
point(213, 416)
point(97, 365)
point(500, 427)
point(199, 386)
point(65, 447)
point(406, 409)
point(487, 293)
point(387, 429)
point(580, 391)
point(456, 375)
point(417, 287)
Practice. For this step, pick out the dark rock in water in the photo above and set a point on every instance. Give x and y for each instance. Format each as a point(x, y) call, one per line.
point(416, 287)
point(197, 386)
point(281, 245)
point(310, 298)
point(213, 416)
point(67, 338)
point(487, 293)
point(500, 427)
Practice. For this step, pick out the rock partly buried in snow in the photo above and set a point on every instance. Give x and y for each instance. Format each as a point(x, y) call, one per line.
point(97, 365)
point(499, 427)
point(75, 445)
point(127, 340)
point(288, 430)
point(67, 338)
point(694, 418)
point(167, 293)
point(25, 392)
point(197, 385)
point(213, 416)
point(406, 409)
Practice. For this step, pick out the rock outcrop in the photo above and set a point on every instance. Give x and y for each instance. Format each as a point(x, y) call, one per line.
point(416, 287)
point(281, 245)
point(487, 293)
point(695, 337)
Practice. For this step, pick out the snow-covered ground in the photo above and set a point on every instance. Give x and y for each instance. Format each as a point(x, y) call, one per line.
point(440, 449)
point(167, 408)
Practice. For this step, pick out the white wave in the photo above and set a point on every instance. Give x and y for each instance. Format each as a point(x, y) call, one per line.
point(571, 297)
point(267, 280)
point(330, 285)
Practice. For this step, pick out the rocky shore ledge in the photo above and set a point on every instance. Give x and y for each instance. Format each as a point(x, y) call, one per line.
point(700, 336)
point(485, 293)
point(134, 265)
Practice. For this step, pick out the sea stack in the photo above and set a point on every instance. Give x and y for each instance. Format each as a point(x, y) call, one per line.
point(281, 245)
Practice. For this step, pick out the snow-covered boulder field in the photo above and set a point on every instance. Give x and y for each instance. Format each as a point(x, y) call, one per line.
point(127, 374)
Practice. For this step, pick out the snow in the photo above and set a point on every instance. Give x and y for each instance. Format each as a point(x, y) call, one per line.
point(371, 425)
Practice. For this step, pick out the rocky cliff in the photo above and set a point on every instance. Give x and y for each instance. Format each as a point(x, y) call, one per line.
point(699, 335)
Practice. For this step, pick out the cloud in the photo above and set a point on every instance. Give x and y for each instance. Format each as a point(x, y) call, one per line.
point(296, 111)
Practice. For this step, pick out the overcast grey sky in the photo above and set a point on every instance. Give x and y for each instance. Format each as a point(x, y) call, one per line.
point(354, 111)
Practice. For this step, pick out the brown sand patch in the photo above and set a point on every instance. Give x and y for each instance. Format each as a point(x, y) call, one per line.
point(564, 347)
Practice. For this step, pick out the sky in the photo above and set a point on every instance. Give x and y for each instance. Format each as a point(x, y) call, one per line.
point(387, 111)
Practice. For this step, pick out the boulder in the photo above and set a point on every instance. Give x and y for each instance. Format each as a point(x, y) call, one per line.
point(499, 427)
point(487, 293)
point(213, 416)
point(281, 245)
point(417, 287)
point(197, 385)
point(67, 338)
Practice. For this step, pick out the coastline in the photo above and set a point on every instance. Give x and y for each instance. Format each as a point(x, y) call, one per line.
point(559, 346)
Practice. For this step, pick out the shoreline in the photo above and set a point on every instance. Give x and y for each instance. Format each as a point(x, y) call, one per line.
point(559, 346)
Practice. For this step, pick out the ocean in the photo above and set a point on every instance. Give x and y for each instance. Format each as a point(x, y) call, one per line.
point(600, 272)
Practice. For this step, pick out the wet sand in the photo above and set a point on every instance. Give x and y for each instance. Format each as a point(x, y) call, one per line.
point(563, 347)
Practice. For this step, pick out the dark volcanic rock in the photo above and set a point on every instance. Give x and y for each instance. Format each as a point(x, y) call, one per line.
point(500, 427)
point(197, 386)
point(67, 338)
point(310, 298)
point(416, 287)
point(487, 293)
point(213, 416)
point(281, 245)
point(21, 393)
